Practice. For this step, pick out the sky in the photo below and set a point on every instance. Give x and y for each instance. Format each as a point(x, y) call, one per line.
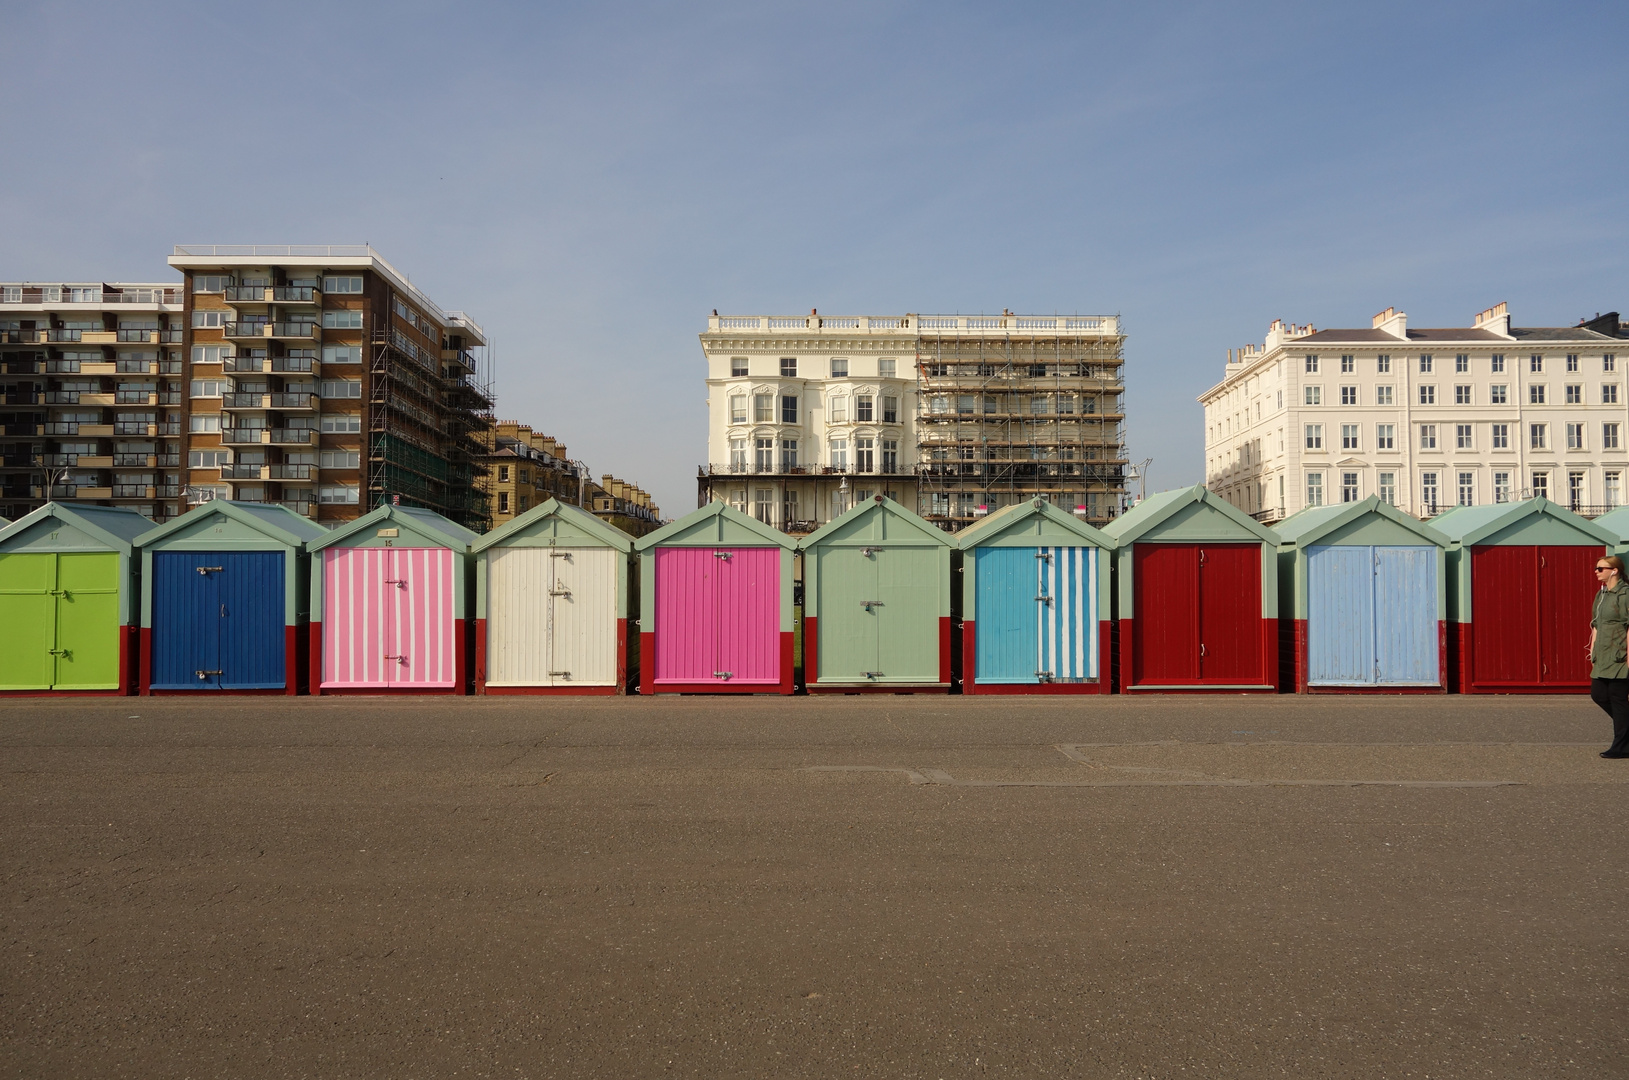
point(590, 181)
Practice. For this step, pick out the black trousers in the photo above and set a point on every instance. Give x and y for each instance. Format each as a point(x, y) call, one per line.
point(1612, 695)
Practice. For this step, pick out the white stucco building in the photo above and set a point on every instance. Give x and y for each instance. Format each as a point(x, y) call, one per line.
point(1424, 418)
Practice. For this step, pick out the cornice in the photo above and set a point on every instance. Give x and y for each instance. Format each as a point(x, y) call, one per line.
point(820, 343)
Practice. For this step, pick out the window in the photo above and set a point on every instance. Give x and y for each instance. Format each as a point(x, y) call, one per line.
point(205, 423)
point(789, 367)
point(1499, 394)
point(1349, 436)
point(1535, 363)
point(1575, 394)
point(1612, 488)
point(1382, 364)
point(1349, 487)
point(789, 454)
point(838, 411)
point(1501, 487)
point(1467, 489)
point(738, 367)
point(1609, 436)
point(1541, 485)
point(207, 283)
point(763, 450)
point(1348, 364)
point(1428, 436)
point(1387, 488)
point(763, 408)
point(839, 367)
point(211, 354)
point(208, 459)
point(865, 456)
point(1040, 405)
point(1313, 395)
point(1425, 363)
point(1349, 395)
point(1280, 399)
point(763, 504)
point(1609, 362)
point(1312, 365)
point(885, 367)
point(207, 388)
point(1535, 394)
point(738, 408)
point(1609, 393)
point(864, 408)
point(503, 502)
point(341, 284)
point(342, 354)
point(1066, 405)
point(338, 493)
point(523, 475)
point(964, 403)
point(1428, 395)
point(210, 320)
point(1575, 436)
point(1498, 363)
point(341, 388)
point(1462, 395)
point(789, 408)
point(738, 455)
point(1462, 437)
point(1575, 491)
point(352, 459)
point(1501, 436)
point(1315, 489)
point(839, 454)
point(1462, 362)
point(1383, 395)
point(1385, 436)
point(1535, 436)
point(890, 410)
point(1572, 361)
point(1428, 492)
point(342, 422)
point(890, 456)
point(1315, 436)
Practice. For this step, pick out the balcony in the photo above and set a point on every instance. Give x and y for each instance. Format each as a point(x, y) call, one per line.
point(134, 461)
point(246, 329)
point(62, 397)
point(167, 461)
point(167, 429)
point(799, 470)
point(293, 437)
point(172, 337)
point(296, 365)
point(244, 365)
point(138, 337)
point(246, 294)
point(294, 473)
point(282, 294)
point(137, 428)
point(100, 399)
point(284, 331)
point(133, 367)
point(96, 461)
point(303, 507)
point(167, 491)
point(19, 337)
point(133, 397)
point(242, 436)
point(59, 429)
point(131, 491)
point(243, 472)
point(93, 493)
point(244, 401)
point(172, 397)
point(293, 401)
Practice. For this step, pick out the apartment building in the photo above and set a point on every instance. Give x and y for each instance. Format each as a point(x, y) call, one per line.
point(1423, 418)
point(320, 377)
point(953, 415)
point(525, 468)
point(629, 508)
point(91, 375)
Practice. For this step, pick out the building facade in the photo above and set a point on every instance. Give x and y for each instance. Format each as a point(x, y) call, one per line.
point(1423, 418)
point(628, 507)
point(92, 378)
point(524, 468)
point(953, 415)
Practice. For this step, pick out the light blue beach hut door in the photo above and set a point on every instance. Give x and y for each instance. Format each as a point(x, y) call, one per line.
point(1372, 615)
point(1036, 614)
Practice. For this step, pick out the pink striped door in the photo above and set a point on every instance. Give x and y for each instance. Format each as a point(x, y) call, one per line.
point(388, 617)
point(718, 615)
point(420, 630)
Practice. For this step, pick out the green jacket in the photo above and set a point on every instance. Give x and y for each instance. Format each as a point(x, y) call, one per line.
point(1610, 658)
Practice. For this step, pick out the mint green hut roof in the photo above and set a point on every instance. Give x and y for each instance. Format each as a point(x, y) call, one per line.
point(270, 519)
point(1318, 524)
point(1531, 521)
point(1036, 521)
point(1165, 511)
point(575, 521)
point(716, 523)
point(429, 527)
point(115, 526)
point(1616, 522)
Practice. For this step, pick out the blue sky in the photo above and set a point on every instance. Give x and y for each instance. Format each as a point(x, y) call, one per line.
point(589, 181)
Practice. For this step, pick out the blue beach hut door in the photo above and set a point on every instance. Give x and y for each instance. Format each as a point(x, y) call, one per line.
point(1372, 616)
point(1035, 614)
point(218, 620)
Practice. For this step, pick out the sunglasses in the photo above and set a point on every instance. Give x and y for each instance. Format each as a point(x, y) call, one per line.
point(1599, 569)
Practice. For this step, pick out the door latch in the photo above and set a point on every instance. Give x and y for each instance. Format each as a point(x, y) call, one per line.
point(722, 674)
point(869, 551)
point(1047, 555)
point(61, 652)
point(400, 659)
point(202, 570)
point(1047, 600)
point(559, 592)
point(400, 583)
point(723, 555)
point(202, 674)
point(869, 604)
point(1044, 676)
point(567, 674)
point(872, 674)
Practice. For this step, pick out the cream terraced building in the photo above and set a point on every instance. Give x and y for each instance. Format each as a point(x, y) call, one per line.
point(1424, 418)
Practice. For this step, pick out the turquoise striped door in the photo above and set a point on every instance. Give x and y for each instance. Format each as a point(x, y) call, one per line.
point(1035, 614)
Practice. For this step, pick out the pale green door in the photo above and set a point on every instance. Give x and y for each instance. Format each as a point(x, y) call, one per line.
point(909, 639)
point(849, 614)
point(87, 610)
point(27, 621)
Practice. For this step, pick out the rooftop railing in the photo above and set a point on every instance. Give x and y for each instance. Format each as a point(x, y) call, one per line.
point(1028, 324)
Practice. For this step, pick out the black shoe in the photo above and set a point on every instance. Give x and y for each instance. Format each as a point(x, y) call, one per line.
point(1610, 754)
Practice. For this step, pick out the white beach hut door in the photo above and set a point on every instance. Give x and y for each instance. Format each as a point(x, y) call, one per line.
point(552, 617)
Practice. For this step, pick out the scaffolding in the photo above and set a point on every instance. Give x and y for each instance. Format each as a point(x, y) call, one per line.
point(1006, 418)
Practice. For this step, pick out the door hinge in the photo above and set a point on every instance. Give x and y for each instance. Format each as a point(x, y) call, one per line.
point(722, 674)
point(202, 570)
point(202, 674)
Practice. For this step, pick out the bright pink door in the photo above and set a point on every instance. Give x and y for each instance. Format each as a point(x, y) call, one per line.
point(388, 617)
point(718, 615)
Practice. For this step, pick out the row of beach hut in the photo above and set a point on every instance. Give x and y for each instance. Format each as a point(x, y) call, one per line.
point(1183, 593)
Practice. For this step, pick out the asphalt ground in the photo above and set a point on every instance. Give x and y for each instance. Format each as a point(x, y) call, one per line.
point(812, 887)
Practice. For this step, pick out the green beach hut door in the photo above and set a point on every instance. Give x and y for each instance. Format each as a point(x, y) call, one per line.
point(59, 621)
point(879, 614)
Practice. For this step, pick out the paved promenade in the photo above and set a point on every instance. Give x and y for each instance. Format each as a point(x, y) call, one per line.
point(814, 887)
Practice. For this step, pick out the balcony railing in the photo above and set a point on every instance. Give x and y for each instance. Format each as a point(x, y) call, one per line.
point(297, 364)
point(172, 337)
point(169, 491)
point(303, 507)
point(123, 461)
point(245, 329)
point(171, 397)
point(292, 436)
point(167, 461)
point(62, 367)
point(131, 491)
point(64, 335)
point(242, 365)
point(167, 429)
point(303, 331)
point(291, 472)
point(246, 294)
point(128, 428)
point(243, 401)
point(250, 436)
point(133, 397)
point(61, 461)
point(799, 470)
point(133, 367)
point(62, 429)
point(19, 337)
point(144, 337)
point(242, 472)
point(292, 401)
point(62, 397)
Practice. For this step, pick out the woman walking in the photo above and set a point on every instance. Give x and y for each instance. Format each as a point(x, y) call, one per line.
point(1609, 651)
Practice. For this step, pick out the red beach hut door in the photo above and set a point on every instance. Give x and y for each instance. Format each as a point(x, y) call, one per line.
point(1530, 609)
point(1166, 631)
point(1230, 613)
